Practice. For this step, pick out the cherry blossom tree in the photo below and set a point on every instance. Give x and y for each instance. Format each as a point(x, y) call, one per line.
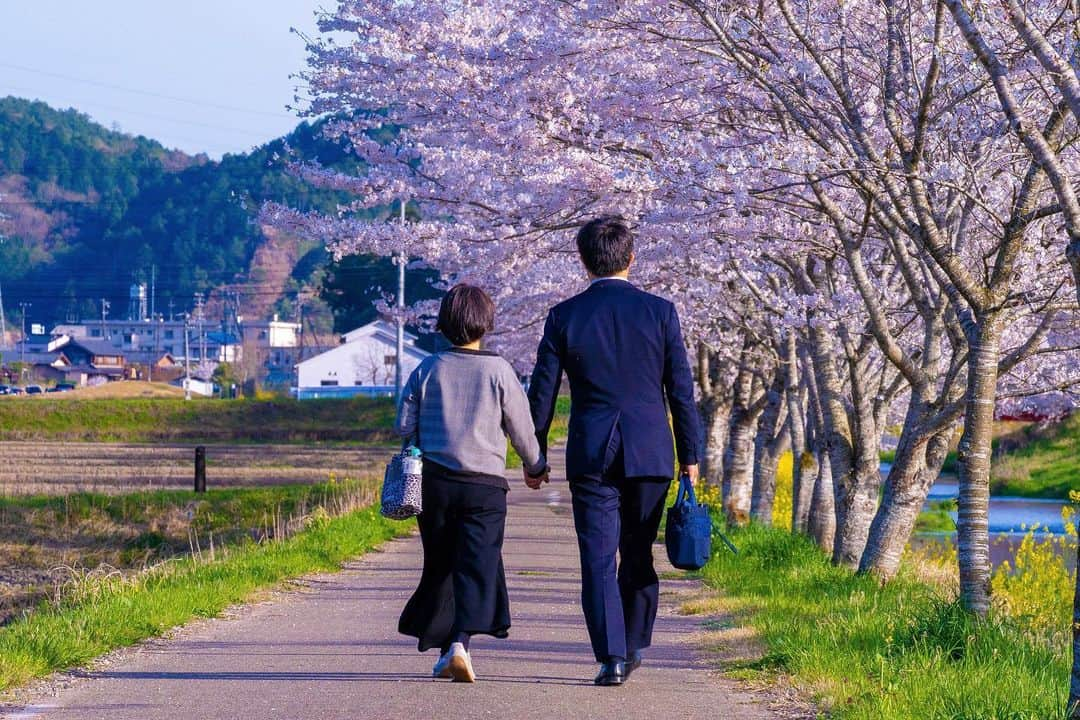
point(850, 234)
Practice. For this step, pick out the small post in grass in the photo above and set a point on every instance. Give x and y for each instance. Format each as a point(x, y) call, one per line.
point(200, 469)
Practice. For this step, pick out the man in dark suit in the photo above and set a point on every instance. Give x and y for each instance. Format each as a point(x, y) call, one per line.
point(623, 353)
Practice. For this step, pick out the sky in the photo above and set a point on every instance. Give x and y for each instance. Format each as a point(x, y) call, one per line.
point(199, 76)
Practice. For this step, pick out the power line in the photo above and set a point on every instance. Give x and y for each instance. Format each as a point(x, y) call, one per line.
point(147, 93)
point(154, 116)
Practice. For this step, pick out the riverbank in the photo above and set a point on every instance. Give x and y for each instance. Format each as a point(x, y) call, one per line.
point(1040, 462)
point(1030, 460)
point(98, 612)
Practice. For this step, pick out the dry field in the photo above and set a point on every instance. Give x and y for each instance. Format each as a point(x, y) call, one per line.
point(71, 511)
point(54, 468)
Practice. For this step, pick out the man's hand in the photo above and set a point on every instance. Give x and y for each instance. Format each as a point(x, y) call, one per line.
point(691, 470)
point(534, 483)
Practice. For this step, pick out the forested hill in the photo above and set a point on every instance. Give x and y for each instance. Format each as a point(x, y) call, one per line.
point(86, 211)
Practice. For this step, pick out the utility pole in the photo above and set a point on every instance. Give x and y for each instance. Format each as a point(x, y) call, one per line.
point(202, 333)
point(22, 347)
point(3, 320)
point(187, 361)
point(402, 259)
point(105, 305)
point(153, 291)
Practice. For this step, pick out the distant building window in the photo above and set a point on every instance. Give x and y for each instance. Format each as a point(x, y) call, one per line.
point(262, 334)
point(168, 334)
point(329, 383)
point(95, 332)
point(390, 360)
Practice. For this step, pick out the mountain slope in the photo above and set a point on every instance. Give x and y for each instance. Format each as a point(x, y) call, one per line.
point(85, 212)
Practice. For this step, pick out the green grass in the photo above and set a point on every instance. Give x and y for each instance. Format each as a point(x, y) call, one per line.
point(1037, 462)
point(558, 432)
point(949, 466)
point(1045, 465)
point(103, 614)
point(177, 420)
point(900, 651)
point(937, 518)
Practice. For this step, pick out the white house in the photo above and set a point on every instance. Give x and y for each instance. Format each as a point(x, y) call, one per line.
point(364, 364)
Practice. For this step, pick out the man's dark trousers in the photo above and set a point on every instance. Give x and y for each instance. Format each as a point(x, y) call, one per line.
point(615, 513)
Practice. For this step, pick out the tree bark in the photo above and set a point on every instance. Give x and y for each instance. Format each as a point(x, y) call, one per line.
point(822, 520)
point(739, 454)
point(771, 441)
point(715, 409)
point(837, 433)
point(821, 513)
point(739, 465)
point(802, 488)
point(717, 421)
point(917, 465)
point(973, 536)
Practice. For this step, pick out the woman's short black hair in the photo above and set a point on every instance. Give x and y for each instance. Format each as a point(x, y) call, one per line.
point(605, 245)
point(466, 314)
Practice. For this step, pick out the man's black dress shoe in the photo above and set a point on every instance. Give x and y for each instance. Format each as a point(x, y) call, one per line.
point(612, 672)
point(633, 663)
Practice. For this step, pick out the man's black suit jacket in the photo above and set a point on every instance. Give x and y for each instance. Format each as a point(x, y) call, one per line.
point(623, 352)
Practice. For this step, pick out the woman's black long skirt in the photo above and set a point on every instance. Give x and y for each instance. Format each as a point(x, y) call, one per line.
point(463, 586)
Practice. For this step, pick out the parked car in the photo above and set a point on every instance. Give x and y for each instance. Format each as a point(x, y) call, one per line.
point(60, 387)
point(5, 390)
point(34, 390)
point(15, 390)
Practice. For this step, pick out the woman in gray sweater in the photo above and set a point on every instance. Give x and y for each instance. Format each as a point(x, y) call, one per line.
point(459, 406)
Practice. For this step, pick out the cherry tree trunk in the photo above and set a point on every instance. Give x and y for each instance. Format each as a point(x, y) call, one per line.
point(804, 476)
point(822, 515)
point(739, 465)
point(848, 488)
point(973, 536)
point(917, 464)
point(716, 417)
point(771, 441)
point(802, 489)
point(857, 501)
point(739, 454)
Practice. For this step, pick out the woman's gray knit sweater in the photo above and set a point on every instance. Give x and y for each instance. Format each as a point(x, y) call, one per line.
point(461, 405)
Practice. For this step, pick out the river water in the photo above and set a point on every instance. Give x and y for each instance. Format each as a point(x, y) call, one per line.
point(1010, 519)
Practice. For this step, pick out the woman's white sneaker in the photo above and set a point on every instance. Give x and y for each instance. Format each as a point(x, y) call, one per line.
point(442, 667)
point(460, 664)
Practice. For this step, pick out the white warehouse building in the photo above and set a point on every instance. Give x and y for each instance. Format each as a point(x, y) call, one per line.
point(364, 364)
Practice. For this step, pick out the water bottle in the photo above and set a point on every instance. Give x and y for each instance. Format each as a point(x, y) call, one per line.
point(412, 462)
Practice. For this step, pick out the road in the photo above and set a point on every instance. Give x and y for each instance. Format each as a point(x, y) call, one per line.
point(329, 649)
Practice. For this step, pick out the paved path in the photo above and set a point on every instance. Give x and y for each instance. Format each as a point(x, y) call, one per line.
point(330, 650)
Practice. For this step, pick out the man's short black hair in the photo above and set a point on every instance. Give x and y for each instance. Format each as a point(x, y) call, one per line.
point(466, 314)
point(605, 245)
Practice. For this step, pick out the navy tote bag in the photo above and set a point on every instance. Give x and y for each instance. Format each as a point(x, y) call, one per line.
point(688, 534)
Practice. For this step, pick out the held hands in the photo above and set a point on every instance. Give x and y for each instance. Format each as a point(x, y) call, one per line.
point(691, 470)
point(534, 483)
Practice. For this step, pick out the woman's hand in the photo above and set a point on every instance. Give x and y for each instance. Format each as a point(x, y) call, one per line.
point(534, 483)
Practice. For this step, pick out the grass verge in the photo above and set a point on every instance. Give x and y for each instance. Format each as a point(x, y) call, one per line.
point(905, 650)
point(862, 650)
point(176, 420)
point(104, 613)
